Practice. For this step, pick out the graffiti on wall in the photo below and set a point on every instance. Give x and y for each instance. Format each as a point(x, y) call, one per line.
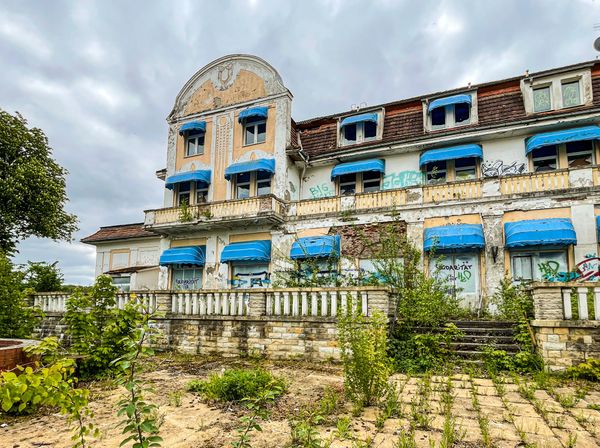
point(323, 190)
point(500, 168)
point(251, 280)
point(586, 270)
point(402, 179)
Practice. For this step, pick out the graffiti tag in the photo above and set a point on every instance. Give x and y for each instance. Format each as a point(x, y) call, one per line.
point(587, 269)
point(251, 280)
point(321, 191)
point(402, 179)
point(499, 168)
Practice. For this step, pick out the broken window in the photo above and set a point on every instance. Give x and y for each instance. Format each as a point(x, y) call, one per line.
point(544, 159)
point(183, 193)
point(436, 172)
point(580, 154)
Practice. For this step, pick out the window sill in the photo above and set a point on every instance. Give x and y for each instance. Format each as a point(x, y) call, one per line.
point(253, 144)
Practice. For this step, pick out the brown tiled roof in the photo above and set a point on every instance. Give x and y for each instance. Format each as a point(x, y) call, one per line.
point(129, 270)
point(119, 232)
point(498, 103)
point(294, 136)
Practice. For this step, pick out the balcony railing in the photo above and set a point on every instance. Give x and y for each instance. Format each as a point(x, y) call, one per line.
point(280, 302)
point(268, 207)
point(533, 182)
point(453, 191)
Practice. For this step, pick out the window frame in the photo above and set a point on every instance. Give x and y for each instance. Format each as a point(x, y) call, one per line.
point(359, 184)
point(232, 274)
point(450, 172)
point(193, 194)
point(579, 89)
point(253, 185)
point(534, 254)
point(183, 193)
point(255, 123)
point(360, 129)
point(120, 285)
point(183, 267)
point(562, 158)
point(541, 86)
point(199, 149)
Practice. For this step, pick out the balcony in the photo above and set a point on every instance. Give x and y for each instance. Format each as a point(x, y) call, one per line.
point(222, 214)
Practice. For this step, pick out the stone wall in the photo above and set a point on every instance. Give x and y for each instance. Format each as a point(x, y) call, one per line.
point(563, 340)
point(564, 343)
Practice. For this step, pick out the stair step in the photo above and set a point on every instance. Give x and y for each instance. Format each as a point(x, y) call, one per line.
point(475, 346)
point(498, 331)
point(486, 339)
point(484, 324)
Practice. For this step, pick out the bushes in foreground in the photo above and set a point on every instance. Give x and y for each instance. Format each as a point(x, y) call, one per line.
point(237, 384)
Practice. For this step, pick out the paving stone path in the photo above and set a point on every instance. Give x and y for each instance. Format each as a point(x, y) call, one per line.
point(503, 413)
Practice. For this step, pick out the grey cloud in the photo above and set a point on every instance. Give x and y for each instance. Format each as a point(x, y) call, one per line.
point(101, 76)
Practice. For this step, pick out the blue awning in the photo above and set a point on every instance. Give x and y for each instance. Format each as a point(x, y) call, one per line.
point(449, 100)
point(267, 165)
point(194, 255)
point(598, 226)
point(248, 251)
point(452, 153)
point(458, 237)
point(564, 136)
point(193, 126)
point(359, 119)
point(253, 112)
point(360, 166)
point(316, 247)
point(189, 176)
point(540, 232)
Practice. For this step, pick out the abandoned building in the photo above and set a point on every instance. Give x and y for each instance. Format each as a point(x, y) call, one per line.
point(500, 178)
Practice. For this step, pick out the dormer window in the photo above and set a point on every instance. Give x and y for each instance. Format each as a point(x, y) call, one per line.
point(449, 112)
point(456, 163)
point(359, 128)
point(254, 122)
point(557, 91)
point(194, 132)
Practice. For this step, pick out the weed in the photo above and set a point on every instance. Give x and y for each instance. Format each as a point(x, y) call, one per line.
point(588, 370)
point(303, 431)
point(343, 428)
point(330, 402)
point(258, 407)
point(567, 400)
point(175, 398)
point(406, 440)
point(595, 407)
point(571, 441)
point(237, 384)
point(392, 406)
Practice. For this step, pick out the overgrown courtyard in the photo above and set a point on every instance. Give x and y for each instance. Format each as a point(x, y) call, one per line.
point(463, 410)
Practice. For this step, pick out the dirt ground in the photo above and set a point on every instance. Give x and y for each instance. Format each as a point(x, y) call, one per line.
point(507, 412)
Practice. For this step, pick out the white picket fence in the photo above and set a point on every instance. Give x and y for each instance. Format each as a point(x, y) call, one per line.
point(224, 303)
point(323, 303)
point(57, 302)
point(578, 296)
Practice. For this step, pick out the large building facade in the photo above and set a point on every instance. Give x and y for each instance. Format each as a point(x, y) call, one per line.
point(500, 178)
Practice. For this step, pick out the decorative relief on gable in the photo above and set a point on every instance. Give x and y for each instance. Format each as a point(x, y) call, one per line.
point(223, 144)
point(246, 86)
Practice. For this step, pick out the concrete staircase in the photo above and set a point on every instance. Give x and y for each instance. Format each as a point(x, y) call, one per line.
point(480, 333)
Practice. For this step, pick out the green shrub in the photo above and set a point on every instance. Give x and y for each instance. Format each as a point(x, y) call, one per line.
point(98, 329)
point(421, 352)
point(237, 385)
point(588, 370)
point(499, 360)
point(363, 342)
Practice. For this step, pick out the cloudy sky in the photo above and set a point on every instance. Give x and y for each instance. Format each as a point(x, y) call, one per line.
point(99, 77)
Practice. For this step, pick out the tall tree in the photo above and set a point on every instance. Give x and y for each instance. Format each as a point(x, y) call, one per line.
point(32, 186)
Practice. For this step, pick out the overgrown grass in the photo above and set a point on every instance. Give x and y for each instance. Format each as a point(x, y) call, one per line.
point(235, 385)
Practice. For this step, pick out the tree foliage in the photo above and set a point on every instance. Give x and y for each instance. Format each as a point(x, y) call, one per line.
point(98, 329)
point(32, 186)
point(17, 319)
point(43, 277)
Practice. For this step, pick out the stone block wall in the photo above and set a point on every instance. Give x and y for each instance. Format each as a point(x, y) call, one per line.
point(566, 343)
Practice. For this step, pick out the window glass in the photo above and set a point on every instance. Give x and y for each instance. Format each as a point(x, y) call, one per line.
point(263, 183)
point(350, 133)
point(201, 193)
point(462, 112)
point(580, 153)
point(261, 132)
point(570, 94)
point(250, 276)
point(465, 168)
point(122, 283)
point(319, 267)
point(347, 184)
point(538, 266)
point(541, 99)
point(371, 181)
point(250, 134)
point(187, 278)
point(544, 159)
point(183, 195)
point(195, 145)
point(242, 186)
point(436, 172)
point(369, 129)
point(460, 271)
point(438, 116)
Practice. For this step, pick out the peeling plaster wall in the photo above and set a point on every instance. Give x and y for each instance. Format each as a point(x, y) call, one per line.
point(141, 253)
point(317, 183)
